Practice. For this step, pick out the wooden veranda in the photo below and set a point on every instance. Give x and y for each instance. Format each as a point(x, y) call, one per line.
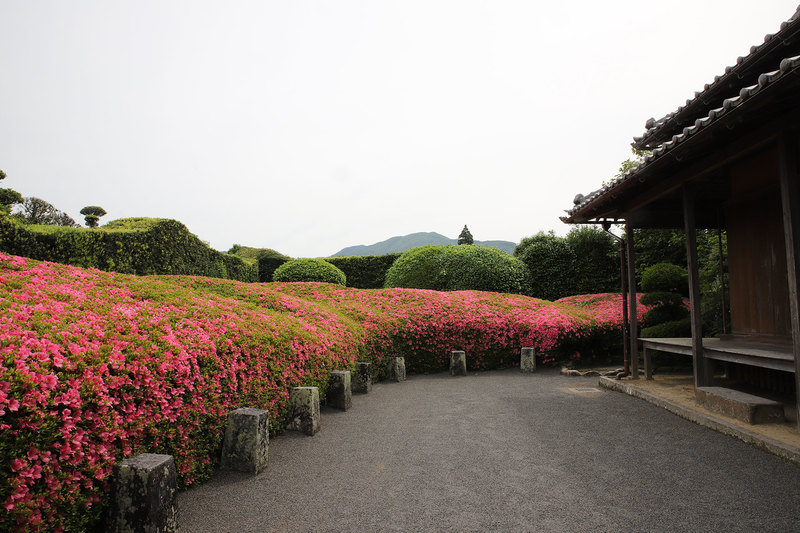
point(728, 159)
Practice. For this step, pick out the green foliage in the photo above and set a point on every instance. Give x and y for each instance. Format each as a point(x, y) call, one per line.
point(38, 211)
point(456, 268)
point(661, 298)
point(465, 237)
point(596, 264)
point(664, 277)
point(364, 271)
point(631, 163)
point(309, 270)
point(269, 261)
point(9, 197)
point(252, 255)
point(676, 328)
point(549, 260)
point(133, 246)
point(2, 175)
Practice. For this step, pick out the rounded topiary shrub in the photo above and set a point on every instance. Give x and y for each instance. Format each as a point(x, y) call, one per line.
point(309, 270)
point(458, 268)
point(665, 277)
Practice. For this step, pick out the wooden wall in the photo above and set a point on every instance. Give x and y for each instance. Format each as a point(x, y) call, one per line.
point(756, 249)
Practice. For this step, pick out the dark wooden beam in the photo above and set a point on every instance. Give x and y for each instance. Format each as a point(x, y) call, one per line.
point(788, 147)
point(702, 374)
point(634, 326)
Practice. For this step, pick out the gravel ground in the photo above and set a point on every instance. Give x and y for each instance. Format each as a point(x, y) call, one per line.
point(501, 451)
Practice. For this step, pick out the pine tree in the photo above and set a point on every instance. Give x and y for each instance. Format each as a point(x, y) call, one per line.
point(465, 237)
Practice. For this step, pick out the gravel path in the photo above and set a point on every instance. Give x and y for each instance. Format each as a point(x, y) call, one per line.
point(502, 451)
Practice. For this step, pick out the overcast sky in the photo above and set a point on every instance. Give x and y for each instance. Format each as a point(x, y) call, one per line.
point(308, 126)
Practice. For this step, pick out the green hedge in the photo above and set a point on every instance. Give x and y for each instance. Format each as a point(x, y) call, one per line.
point(458, 268)
point(139, 246)
point(309, 270)
point(366, 271)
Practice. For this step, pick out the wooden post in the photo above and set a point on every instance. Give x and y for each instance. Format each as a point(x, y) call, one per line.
point(634, 326)
point(790, 202)
point(702, 373)
point(626, 349)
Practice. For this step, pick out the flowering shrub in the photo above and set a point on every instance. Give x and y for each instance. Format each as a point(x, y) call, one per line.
point(96, 367)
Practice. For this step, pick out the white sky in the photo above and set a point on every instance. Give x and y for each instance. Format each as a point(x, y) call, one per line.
point(308, 126)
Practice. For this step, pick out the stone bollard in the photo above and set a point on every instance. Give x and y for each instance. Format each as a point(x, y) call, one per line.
point(304, 410)
point(458, 363)
point(362, 382)
point(246, 445)
point(340, 393)
point(143, 495)
point(397, 369)
point(527, 360)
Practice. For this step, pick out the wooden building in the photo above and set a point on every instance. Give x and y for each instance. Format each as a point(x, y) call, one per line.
point(727, 159)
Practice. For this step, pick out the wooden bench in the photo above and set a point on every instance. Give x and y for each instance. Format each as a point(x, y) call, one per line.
point(764, 355)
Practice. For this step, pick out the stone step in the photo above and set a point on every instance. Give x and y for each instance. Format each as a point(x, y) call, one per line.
point(740, 405)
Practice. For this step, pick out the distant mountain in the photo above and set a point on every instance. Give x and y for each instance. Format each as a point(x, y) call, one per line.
point(413, 240)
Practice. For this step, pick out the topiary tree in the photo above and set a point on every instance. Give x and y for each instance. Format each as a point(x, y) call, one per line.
point(455, 268)
point(92, 214)
point(665, 285)
point(309, 270)
point(465, 237)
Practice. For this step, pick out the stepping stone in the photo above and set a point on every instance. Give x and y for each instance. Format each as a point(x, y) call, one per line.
point(740, 405)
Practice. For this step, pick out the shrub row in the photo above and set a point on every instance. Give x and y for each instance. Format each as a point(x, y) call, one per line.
point(131, 246)
point(366, 271)
point(105, 366)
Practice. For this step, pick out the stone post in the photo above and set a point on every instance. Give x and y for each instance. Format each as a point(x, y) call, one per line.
point(397, 369)
point(458, 363)
point(340, 393)
point(143, 493)
point(246, 445)
point(527, 360)
point(362, 381)
point(304, 410)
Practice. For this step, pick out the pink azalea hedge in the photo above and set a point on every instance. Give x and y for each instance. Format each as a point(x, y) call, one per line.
point(99, 366)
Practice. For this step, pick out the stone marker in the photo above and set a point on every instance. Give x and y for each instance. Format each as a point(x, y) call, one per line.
point(527, 360)
point(397, 369)
point(246, 445)
point(458, 363)
point(304, 410)
point(362, 380)
point(143, 493)
point(340, 393)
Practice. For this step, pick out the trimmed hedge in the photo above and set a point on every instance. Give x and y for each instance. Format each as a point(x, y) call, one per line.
point(457, 268)
point(549, 262)
point(309, 270)
point(268, 263)
point(364, 271)
point(139, 246)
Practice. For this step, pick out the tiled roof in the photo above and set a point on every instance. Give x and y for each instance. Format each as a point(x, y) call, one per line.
point(782, 44)
point(788, 67)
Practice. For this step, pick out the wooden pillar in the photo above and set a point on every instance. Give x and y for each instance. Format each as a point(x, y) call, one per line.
point(790, 202)
point(634, 326)
point(702, 368)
